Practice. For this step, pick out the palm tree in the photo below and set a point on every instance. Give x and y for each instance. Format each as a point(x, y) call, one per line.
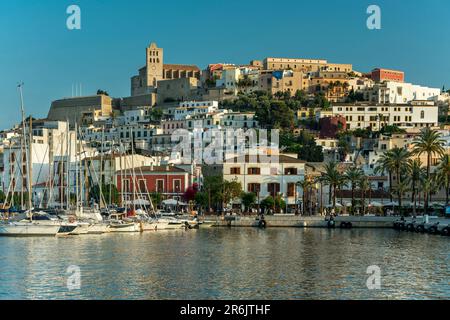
point(364, 184)
point(443, 175)
point(353, 176)
point(304, 185)
point(428, 142)
point(416, 175)
point(333, 178)
point(399, 158)
point(426, 186)
point(401, 188)
point(385, 165)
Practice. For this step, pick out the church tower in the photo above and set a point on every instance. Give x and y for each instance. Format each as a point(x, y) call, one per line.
point(155, 64)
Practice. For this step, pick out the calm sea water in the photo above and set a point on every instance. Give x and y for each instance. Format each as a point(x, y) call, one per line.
point(217, 263)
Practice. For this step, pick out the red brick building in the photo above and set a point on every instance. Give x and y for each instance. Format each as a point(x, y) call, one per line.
point(330, 126)
point(171, 182)
point(380, 75)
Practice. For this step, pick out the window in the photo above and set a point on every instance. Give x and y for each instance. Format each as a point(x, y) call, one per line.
point(290, 171)
point(235, 170)
point(142, 186)
point(254, 171)
point(291, 189)
point(422, 114)
point(273, 189)
point(254, 187)
point(177, 185)
point(126, 185)
point(159, 185)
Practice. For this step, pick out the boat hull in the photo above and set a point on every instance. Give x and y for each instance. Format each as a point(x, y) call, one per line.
point(30, 230)
point(80, 229)
point(154, 226)
point(98, 229)
point(126, 227)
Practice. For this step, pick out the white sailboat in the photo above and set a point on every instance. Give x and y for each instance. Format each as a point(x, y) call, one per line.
point(29, 227)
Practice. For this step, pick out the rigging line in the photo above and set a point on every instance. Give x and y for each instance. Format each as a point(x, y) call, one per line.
point(90, 172)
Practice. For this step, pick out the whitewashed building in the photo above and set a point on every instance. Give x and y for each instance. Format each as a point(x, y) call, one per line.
point(363, 115)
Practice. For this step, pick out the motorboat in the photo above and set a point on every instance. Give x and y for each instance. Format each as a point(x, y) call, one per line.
point(39, 225)
point(98, 228)
point(118, 223)
point(171, 223)
point(30, 228)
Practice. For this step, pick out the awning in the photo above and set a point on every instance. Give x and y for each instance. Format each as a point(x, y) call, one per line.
point(173, 202)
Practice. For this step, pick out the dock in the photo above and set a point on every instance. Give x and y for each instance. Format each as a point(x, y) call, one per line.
point(294, 221)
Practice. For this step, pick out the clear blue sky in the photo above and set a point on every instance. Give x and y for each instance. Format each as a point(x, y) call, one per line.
point(38, 49)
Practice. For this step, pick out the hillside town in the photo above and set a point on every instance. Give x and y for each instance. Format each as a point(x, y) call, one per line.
point(329, 139)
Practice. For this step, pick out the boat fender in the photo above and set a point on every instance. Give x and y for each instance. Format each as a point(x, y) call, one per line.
point(432, 229)
point(331, 224)
point(343, 225)
point(262, 224)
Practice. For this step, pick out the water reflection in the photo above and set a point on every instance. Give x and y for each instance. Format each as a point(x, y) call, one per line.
point(228, 264)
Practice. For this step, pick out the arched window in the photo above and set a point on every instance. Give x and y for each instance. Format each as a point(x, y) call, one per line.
point(422, 114)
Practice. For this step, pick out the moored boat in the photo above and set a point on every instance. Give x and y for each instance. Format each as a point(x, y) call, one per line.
point(122, 226)
point(98, 228)
point(28, 229)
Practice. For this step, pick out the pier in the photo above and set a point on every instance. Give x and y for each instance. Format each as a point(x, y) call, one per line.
point(292, 221)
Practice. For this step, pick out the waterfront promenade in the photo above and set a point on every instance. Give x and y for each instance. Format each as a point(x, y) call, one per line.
point(294, 221)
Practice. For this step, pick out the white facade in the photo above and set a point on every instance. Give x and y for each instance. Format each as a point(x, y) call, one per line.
point(238, 120)
point(398, 93)
point(416, 114)
point(268, 179)
point(190, 108)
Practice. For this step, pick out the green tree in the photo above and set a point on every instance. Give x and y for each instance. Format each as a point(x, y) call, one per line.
point(429, 143)
point(415, 176)
point(230, 190)
point(364, 186)
point(279, 202)
point(155, 114)
point(385, 165)
point(353, 175)
point(248, 200)
point(443, 175)
point(343, 147)
point(304, 185)
point(109, 191)
point(333, 178)
point(267, 203)
point(391, 129)
point(156, 199)
point(201, 199)
point(401, 188)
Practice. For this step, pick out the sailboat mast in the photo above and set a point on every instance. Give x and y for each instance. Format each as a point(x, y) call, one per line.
point(121, 173)
point(133, 171)
point(23, 143)
point(76, 168)
point(28, 156)
point(80, 169)
point(30, 168)
point(100, 183)
point(68, 154)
